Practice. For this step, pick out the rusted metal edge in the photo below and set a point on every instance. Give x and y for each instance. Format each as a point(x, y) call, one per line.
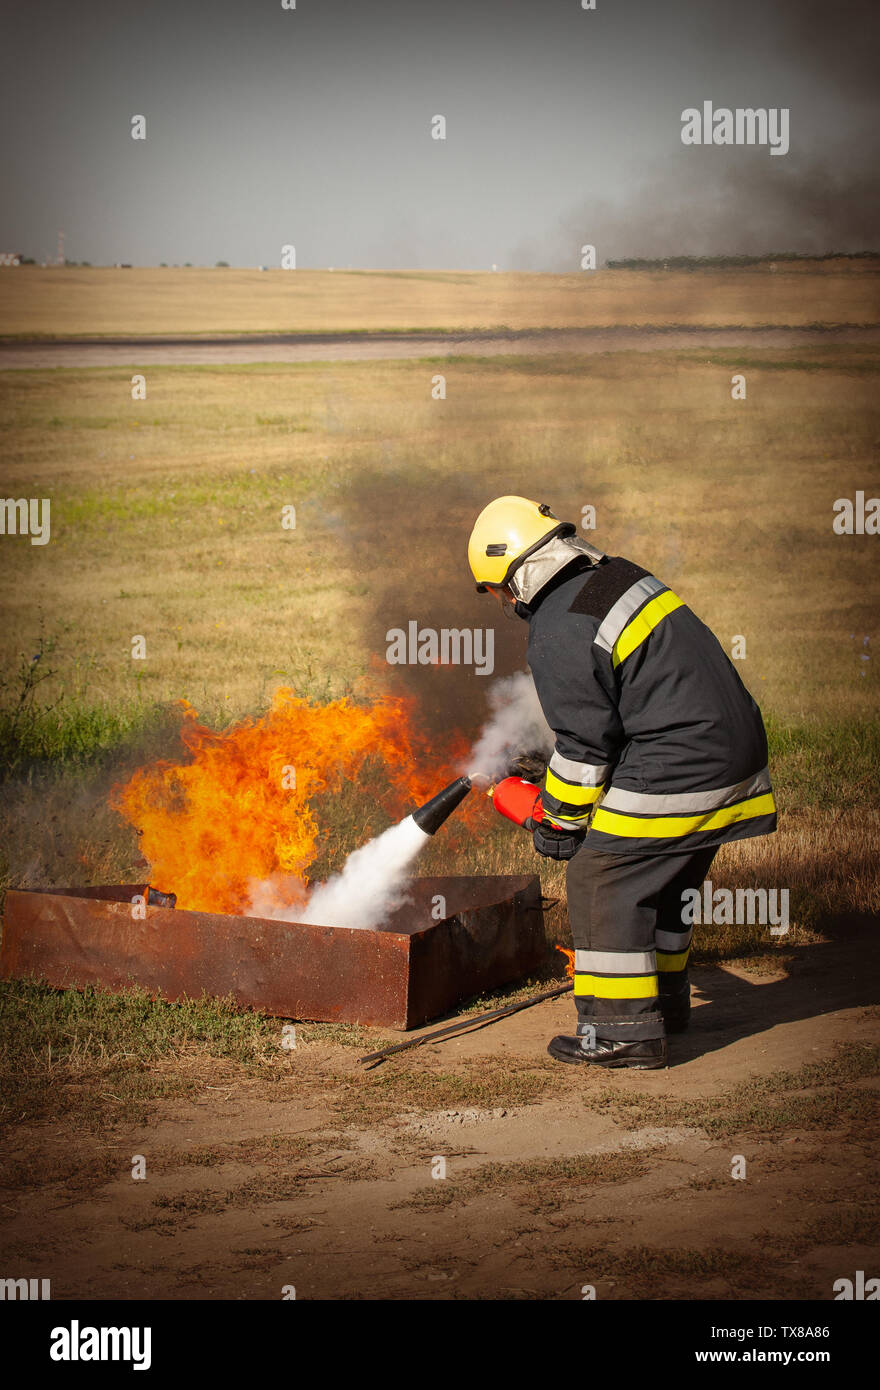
point(402, 978)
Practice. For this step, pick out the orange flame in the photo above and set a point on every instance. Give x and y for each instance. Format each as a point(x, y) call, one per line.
point(241, 809)
point(569, 967)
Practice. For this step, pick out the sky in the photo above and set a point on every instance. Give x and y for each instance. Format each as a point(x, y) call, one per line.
point(311, 127)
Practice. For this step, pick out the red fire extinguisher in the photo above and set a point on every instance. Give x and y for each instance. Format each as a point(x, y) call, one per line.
point(518, 800)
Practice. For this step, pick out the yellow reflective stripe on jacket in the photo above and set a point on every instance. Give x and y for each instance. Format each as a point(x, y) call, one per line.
point(665, 961)
point(643, 624)
point(617, 987)
point(568, 793)
point(668, 827)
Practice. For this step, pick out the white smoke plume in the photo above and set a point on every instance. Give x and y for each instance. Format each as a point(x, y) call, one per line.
point(516, 725)
point(371, 884)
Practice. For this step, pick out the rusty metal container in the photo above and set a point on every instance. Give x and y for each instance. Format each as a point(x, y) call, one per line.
point(416, 968)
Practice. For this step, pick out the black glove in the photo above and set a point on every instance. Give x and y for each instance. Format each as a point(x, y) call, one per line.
point(557, 844)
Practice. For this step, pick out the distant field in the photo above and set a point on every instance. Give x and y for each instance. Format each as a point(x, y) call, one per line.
point(36, 302)
point(166, 513)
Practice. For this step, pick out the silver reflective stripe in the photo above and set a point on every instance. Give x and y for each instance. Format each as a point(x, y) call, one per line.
point(615, 962)
point(582, 774)
point(616, 618)
point(673, 941)
point(686, 803)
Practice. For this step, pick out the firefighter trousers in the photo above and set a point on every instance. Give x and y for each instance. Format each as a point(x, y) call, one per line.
point(631, 944)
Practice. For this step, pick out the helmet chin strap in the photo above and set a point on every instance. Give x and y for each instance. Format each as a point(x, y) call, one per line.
point(512, 607)
point(505, 603)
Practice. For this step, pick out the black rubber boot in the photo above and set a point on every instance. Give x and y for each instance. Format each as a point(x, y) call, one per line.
point(646, 1055)
point(675, 1004)
point(677, 1021)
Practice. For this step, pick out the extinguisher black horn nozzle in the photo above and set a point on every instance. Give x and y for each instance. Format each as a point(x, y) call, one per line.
point(431, 816)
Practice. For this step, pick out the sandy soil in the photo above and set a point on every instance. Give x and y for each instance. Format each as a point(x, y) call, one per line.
point(252, 1188)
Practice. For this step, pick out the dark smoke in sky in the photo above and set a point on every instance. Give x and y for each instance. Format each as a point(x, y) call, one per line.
point(753, 207)
point(433, 523)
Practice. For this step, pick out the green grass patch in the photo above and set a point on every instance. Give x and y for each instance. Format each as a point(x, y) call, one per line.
point(106, 1056)
point(834, 764)
point(71, 734)
point(94, 1052)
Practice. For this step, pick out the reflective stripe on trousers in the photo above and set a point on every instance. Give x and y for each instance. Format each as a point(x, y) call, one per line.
point(631, 946)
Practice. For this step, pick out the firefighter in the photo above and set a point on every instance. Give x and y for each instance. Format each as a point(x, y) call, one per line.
point(660, 757)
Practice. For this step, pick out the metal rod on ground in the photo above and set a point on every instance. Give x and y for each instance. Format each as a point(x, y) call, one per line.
point(479, 1020)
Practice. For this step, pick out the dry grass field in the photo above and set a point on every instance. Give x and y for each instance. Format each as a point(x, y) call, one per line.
point(167, 513)
point(82, 302)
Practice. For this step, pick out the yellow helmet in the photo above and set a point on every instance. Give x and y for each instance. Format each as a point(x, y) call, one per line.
point(505, 533)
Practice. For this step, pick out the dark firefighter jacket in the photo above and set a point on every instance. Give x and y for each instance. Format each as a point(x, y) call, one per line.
point(656, 735)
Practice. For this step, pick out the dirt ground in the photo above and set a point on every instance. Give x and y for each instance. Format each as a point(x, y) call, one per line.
point(327, 1181)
